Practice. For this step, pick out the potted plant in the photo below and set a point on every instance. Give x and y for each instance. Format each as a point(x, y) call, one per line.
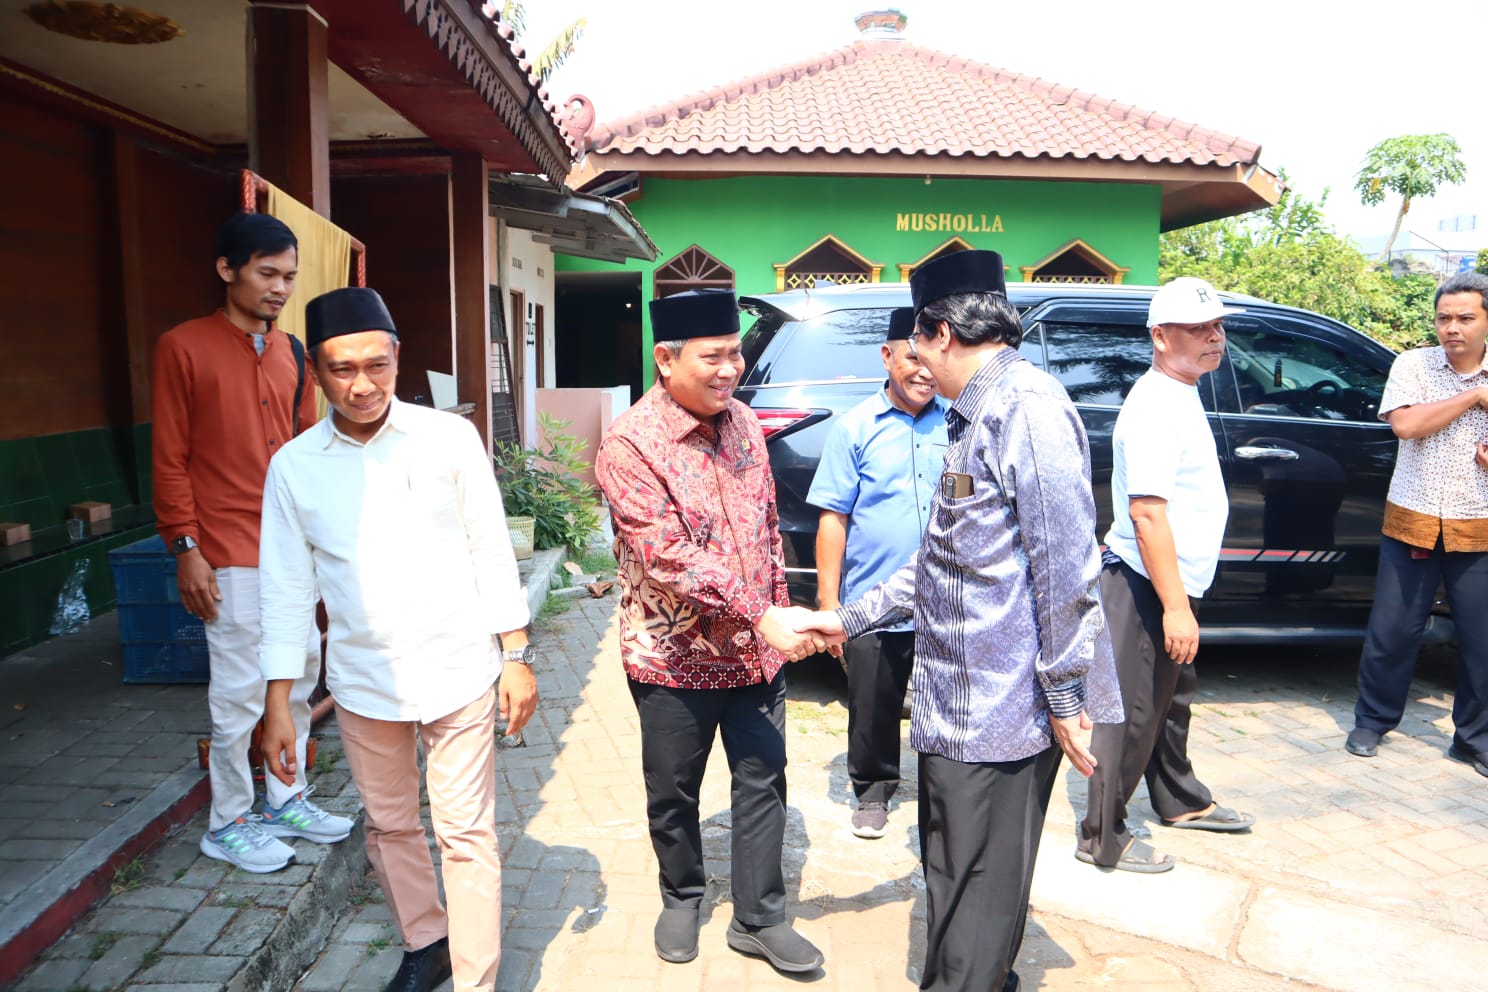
point(542, 484)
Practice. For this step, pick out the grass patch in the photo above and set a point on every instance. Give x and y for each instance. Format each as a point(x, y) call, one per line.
point(325, 760)
point(102, 943)
point(128, 876)
point(598, 561)
point(150, 959)
point(377, 945)
point(235, 902)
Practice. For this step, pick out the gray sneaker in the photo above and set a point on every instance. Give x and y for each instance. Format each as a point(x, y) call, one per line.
point(245, 843)
point(869, 820)
point(301, 818)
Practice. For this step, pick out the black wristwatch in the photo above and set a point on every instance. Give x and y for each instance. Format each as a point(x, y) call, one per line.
point(522, 656)
point(182, 544)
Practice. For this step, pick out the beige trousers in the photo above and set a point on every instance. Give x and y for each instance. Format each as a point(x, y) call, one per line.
point(461, 769)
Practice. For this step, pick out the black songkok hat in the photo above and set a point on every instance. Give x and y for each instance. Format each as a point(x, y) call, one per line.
point(696, 313)
point(960, 272)
point(901, 324)
point(345, 311)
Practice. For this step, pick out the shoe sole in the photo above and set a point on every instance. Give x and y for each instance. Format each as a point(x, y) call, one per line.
point(1135, 867)
point(747, 944)
point(295, 834)
point(869, 833)
point(222, 854)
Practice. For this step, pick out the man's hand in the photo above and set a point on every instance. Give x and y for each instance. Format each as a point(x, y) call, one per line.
point(1181, 635)
point(834, 648)
point(778, 628)
point(278, 742)
point(197, 584)
point(825, 624)
point(516, 694)
point(1073, 735)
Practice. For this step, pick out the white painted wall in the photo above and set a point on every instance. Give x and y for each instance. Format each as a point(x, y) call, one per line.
point(524, 266)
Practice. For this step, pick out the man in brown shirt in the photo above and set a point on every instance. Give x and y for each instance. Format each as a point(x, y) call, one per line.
point(229, 391)
point(1435, 526)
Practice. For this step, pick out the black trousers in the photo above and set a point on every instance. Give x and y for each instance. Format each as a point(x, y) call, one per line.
point(1404, 589)
point(677, 730)
point(1157, 694)
point(878, 668)
point(979, 834)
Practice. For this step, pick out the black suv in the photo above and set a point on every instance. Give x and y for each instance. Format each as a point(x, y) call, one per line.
point(1293, 408)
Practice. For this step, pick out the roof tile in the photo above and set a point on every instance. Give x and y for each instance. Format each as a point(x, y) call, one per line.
point(894, 96)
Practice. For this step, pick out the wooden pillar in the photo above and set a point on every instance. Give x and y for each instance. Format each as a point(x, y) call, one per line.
point(288, 131)
point(470, 265)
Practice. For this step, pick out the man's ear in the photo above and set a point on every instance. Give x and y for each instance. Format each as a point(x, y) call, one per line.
point(312, 370)
point(225, 271)
point(1159, 338)
point(662, 356)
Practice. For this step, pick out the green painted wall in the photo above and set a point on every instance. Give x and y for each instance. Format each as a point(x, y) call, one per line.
point(750, 223)
point(39, 478)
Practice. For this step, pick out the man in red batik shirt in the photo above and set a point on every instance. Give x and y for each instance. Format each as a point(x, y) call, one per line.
point(705, 625)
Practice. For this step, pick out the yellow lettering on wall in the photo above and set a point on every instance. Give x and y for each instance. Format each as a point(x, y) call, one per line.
point(901, 222)
point(997, 223)
point(968, 223)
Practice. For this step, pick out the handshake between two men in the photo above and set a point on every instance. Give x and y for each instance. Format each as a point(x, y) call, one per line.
point(797, 632)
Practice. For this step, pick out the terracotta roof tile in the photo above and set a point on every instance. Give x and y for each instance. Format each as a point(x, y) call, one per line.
point(893, 96)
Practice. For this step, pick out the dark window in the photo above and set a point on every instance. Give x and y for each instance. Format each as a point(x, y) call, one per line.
point(1097, 363)
point(1280, 374)
point(843, 344)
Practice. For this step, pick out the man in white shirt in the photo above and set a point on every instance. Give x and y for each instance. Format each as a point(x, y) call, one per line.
point(1170, 510)
point(393, 511)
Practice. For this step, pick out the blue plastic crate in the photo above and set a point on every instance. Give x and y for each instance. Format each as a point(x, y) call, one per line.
point(162, 642)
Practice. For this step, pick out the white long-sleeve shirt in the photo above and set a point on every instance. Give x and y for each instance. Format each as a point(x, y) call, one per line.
point(406, 540)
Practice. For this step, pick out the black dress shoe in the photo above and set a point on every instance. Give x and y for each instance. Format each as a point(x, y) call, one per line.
point(1362, 742)
point(677, 933)
point(422, 970)
point(1461, 752)
point(779, 944)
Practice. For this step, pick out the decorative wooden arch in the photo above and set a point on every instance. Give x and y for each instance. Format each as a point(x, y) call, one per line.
point(949, 247)
point(691, 268)
point(1076, 263)
point(829, 259)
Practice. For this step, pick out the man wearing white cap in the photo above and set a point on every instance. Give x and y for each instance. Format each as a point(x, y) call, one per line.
point(1170, 510)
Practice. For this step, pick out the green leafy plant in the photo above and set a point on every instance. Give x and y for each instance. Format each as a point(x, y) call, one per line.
point(543, 483)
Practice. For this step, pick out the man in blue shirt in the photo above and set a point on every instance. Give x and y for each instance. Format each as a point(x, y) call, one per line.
point(875, 485)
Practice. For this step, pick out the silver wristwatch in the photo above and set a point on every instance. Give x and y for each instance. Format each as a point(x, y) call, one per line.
point(522, 656)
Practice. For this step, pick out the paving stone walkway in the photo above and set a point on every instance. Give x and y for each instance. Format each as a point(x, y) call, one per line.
point(1360, 875)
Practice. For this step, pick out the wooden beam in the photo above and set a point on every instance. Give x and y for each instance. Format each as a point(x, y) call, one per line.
point(470, 264)
point(132, 275)
point(288, 118)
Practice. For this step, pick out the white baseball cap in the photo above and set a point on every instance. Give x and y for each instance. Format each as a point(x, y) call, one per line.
point(1187, 300)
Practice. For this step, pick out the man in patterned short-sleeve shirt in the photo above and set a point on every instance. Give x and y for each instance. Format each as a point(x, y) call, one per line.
point(1436, 525)
point(705, 624)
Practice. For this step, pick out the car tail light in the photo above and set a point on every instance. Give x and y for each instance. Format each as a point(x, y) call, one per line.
point(772, 422)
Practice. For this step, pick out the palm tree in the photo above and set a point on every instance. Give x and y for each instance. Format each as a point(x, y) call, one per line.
point(556, 51)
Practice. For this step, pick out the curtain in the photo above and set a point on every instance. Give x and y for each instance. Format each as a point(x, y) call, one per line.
point(324, 255)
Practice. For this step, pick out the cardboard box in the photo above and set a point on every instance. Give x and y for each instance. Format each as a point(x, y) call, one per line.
point(90, 511)
point(14, 534)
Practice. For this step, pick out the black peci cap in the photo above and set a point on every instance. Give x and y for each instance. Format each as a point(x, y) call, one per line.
point(345, 311)
point(696, 313)
point(972, 271)
point(901, 324)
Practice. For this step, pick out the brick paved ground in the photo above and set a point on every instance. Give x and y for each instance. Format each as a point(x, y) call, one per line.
point(1361, 875)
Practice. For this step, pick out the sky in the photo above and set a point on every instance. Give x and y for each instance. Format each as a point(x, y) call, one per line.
point(1315, 82)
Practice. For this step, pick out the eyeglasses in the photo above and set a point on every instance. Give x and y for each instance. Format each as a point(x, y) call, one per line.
point(914, 336)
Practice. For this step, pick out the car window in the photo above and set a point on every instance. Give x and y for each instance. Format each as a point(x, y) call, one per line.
point(1284, 374)
point(843, 344)
point(1097, 362)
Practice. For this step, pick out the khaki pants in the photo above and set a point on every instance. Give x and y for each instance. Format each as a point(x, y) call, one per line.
point(461, 776)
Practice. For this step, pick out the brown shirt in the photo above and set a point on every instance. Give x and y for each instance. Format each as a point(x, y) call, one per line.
point(220, 412)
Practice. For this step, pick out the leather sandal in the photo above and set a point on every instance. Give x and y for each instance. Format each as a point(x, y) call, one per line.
point(1220, 819)
point(1138, 857)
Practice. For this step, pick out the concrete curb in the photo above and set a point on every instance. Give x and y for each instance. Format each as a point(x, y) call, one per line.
point(299, 937)
point(27, 927)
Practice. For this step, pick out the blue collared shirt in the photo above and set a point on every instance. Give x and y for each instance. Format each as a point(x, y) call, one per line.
point(1004, 593)
point(881, 466)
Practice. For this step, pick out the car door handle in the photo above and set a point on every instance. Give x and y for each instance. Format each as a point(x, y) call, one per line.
point(1254, 453)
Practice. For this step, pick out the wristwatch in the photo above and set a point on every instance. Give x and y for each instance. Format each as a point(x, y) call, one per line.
point(182, 544)
point(522, 656)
